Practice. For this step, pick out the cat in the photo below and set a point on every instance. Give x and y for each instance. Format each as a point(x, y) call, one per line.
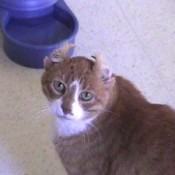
point(104, 125)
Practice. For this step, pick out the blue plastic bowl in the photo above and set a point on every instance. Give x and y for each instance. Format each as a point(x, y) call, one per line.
point(29, 34)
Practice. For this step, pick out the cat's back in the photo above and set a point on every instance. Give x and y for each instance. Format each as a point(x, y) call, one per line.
point(148, 132)
point(158, 140)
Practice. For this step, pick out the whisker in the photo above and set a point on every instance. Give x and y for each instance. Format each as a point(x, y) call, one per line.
point(108, 111)
point(86, 134)
point(42, 112)
point(84, 138)
point(91, 110)
point(97, 130)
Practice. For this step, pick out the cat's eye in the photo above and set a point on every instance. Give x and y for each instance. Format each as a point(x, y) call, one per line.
point(86, 96)
point(59, 87)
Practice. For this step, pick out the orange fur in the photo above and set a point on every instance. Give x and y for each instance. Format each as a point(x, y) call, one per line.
point(128, 136)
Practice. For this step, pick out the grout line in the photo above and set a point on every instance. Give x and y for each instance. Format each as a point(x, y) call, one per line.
point(144, 51)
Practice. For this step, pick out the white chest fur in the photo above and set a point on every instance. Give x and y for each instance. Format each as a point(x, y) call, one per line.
point(66, 128)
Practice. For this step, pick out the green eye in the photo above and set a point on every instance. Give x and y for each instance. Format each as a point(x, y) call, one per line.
point(86, 96)
point(59, 87)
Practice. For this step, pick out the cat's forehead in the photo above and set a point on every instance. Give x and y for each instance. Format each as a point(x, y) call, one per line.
point(80, 64)
point(75, 67)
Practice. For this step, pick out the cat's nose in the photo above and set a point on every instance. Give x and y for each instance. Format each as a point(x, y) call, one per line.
point(66, 110)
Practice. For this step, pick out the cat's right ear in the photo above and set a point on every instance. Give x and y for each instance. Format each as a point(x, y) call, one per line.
point(48, 62)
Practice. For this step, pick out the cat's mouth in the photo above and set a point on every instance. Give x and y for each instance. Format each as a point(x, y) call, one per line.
point(61, 115)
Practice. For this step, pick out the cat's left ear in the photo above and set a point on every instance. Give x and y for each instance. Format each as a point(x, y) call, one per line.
point(108, 78)
point(106, 74)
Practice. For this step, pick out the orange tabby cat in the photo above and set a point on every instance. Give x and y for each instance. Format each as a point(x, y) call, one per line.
point(104, 126)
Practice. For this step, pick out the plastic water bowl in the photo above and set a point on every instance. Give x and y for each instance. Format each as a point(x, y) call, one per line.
point(32, 31)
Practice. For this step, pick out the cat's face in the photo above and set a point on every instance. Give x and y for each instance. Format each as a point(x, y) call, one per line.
point(75, 90)
point(78, 90)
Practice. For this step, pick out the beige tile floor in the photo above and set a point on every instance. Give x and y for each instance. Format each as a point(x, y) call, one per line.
point(137, 39)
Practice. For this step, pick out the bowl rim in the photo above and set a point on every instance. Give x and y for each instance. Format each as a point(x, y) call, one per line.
point(40, 46)
point(26, 5)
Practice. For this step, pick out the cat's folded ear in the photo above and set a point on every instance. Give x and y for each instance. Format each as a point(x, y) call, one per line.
point(106, 74)
point(103, 71)
point(58, 55)
point(48, 62)
point(107, 77)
